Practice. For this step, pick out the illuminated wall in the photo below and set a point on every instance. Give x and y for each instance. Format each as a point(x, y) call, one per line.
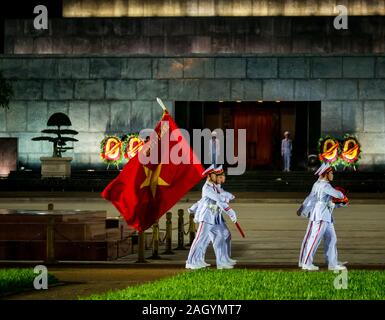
point(228, 8)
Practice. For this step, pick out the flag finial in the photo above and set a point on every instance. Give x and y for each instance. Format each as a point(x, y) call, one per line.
point(161, 104)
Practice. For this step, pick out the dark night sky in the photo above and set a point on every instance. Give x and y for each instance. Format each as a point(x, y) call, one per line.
point(22, 9)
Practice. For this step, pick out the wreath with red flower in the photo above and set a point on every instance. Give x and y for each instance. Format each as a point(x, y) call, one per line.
point(111, 150)
point(350, 151)
point(132, 145)
point(329, 149)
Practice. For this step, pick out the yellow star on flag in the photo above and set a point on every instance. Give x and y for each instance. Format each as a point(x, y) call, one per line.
point(153, 179)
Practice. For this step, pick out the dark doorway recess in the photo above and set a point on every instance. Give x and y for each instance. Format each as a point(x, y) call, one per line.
point(265, 123)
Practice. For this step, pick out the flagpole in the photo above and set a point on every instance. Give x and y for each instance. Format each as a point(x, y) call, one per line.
point(161, 104)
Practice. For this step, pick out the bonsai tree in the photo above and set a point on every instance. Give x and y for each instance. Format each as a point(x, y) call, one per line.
point(6, 92)
point(59, 142)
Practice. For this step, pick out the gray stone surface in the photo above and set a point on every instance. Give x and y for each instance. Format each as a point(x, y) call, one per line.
point(137, 68)
point(372, 89)
point(184, 90)
point(374, 116)
point(184, 36)
point(76, 68)
point(79, 114)
point(58, 89)
point(201, 44)
point(21, 45)
point(341, 89)
point(99, 116)
point(212, 90)
point(141, 115)
point(150, 89)
point(26, 145)
point(57, 106)
point(331, 116)
point(372, 143)
point(17, 116)
point(89, 89)
point(89, 142)
point(310, 90)
point(246, 90)
point(27, 89)
point(45, 68)
point(81, 158)
point(120, 89)
point(171, 68)
point(3, 125)
point(105, 68)
point(230, 68)
point(352, 116)
point(380, 67)
point(262, 67)
point(14, 68)
point(198, 68)
point(293, 67)
point(37, 116)
point(22, 159)
point(278, 90)
point(379, 160)
point(353, 104)
point(120, 116)
point(358, 67)
point(327, 67)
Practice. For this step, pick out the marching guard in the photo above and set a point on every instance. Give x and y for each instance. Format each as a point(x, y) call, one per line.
point(208, 213)
point(318, 208)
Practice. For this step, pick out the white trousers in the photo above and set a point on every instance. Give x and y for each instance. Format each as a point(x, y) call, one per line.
point(225, 243)
point(219, 235)
point(316, 231)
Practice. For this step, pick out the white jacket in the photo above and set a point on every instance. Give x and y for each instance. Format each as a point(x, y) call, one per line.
point(211, 205)
point(320, 201)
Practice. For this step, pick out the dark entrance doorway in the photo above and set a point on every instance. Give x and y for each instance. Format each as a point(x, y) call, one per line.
point(265, 123)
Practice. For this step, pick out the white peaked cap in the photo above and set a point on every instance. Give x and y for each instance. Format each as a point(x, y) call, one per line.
point(219, 170)
point(322, 169)
point(208, 170)
point(214, 133)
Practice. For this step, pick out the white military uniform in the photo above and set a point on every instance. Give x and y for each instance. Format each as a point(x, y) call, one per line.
point(226, 197)
point(320, 206)
point(208, 214)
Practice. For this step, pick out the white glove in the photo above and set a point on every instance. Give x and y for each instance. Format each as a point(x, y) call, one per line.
point(232, 215)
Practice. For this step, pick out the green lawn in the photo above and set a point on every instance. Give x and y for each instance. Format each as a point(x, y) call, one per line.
point(250, 284)
point(13, 280)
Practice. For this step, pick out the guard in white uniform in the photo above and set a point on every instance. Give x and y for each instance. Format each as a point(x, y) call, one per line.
point(226, 197)
point(318, 207)
point(208, 214)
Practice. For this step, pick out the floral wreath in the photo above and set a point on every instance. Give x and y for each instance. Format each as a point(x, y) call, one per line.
point(350, 151)
point(111, 150)
point(329, 149)
point(132, 144)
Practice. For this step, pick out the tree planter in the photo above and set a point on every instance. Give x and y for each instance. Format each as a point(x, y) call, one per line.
point(55, 167)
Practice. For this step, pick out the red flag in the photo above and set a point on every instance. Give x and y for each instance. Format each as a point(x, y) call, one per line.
point(142, 193)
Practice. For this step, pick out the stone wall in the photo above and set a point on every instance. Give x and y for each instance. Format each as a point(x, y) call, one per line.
point(187, 36)
point(193, 8)
point(117, 94)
